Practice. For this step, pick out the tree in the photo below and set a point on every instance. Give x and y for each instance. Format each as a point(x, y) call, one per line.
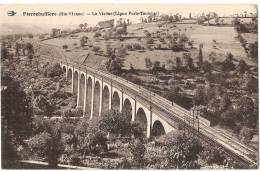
point(89, 138)
point(188, 61)
point(246, 110)
point(138, 151)
point(246, 134)
point(251, 84)
point(174, 95)
point(16, 109)
point(54, 32)
point(109, 51)
point(209, 91)
point(16, 121)
point(17, 48)
point(253, 50)
point(228, 117)
point(30, 51)
point(30, 35)
point(156, 67)
point(116, 123)
point(65, 46)
point(199, 96)
point(242, 67)
point(122, 30)
point(213, 107)
point(178, 63)
point(217, 21)
point(48, 144)
point(116, 61)
point(212, 57)
point(213, 155)
point(97, 34)
point(183, 152)
point(83, 40)
point(200, 56)
point(85, 26)
point(4, 52)
point(95, 49)
point(207, 67)
point(225, 102)
point(245, 12)
point(227, 64)
point(148, 63)
point(183, 38)
point(208, 18)
point(81, 26)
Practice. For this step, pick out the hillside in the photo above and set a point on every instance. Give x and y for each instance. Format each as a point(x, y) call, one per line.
point(216, 40)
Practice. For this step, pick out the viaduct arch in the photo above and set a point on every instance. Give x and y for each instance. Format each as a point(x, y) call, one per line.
point(96, 96)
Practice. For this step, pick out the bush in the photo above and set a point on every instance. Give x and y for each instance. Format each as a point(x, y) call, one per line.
point(149, 40)
point(213, 155)
point(135, 80)
point(137, 46)
point(53, 70)
point(65, 46)
point(95, 49)
point(48, 144)
point(39, 124)
point(125, 164)
point(38, 143)
point(183, 152)
point(74, 159)
point(138, 151)
point(97, 34)
point(90, 139)
point(246, 134)
point(128, 47)
point(73, 113)
point(116, 123)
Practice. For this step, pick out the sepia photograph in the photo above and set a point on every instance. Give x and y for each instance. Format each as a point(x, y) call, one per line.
point(129, 86)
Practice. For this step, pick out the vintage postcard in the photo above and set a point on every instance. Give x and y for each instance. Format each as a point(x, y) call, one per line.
point(129, 86)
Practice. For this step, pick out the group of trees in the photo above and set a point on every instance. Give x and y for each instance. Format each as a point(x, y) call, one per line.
point(154, 67)
point(83, 27)
point(121, 30)
point(116, 59)
point(164, 17)
point(220, 109)
point(16, 119)
point(52, 138)
point(183, 152)
point(83, 41)
point(24, 47)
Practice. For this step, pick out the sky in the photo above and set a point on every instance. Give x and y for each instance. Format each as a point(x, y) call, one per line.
point(225, 9)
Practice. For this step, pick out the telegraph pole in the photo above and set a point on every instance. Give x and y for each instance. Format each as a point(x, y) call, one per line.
point(193, 120)
point(184, 126)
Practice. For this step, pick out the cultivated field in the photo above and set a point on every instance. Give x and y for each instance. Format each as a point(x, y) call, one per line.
point(217, 40)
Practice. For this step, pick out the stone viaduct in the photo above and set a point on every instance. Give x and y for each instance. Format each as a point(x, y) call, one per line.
point(97, 94)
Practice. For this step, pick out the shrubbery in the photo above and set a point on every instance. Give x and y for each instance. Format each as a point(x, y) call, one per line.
point(48, 144)
point(73, 113)
point(65, 46)
point(53, 70)
point(138, 151)
point(183, 152)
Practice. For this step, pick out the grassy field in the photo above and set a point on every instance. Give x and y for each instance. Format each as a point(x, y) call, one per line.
point(224, 41)
point(250, 37)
